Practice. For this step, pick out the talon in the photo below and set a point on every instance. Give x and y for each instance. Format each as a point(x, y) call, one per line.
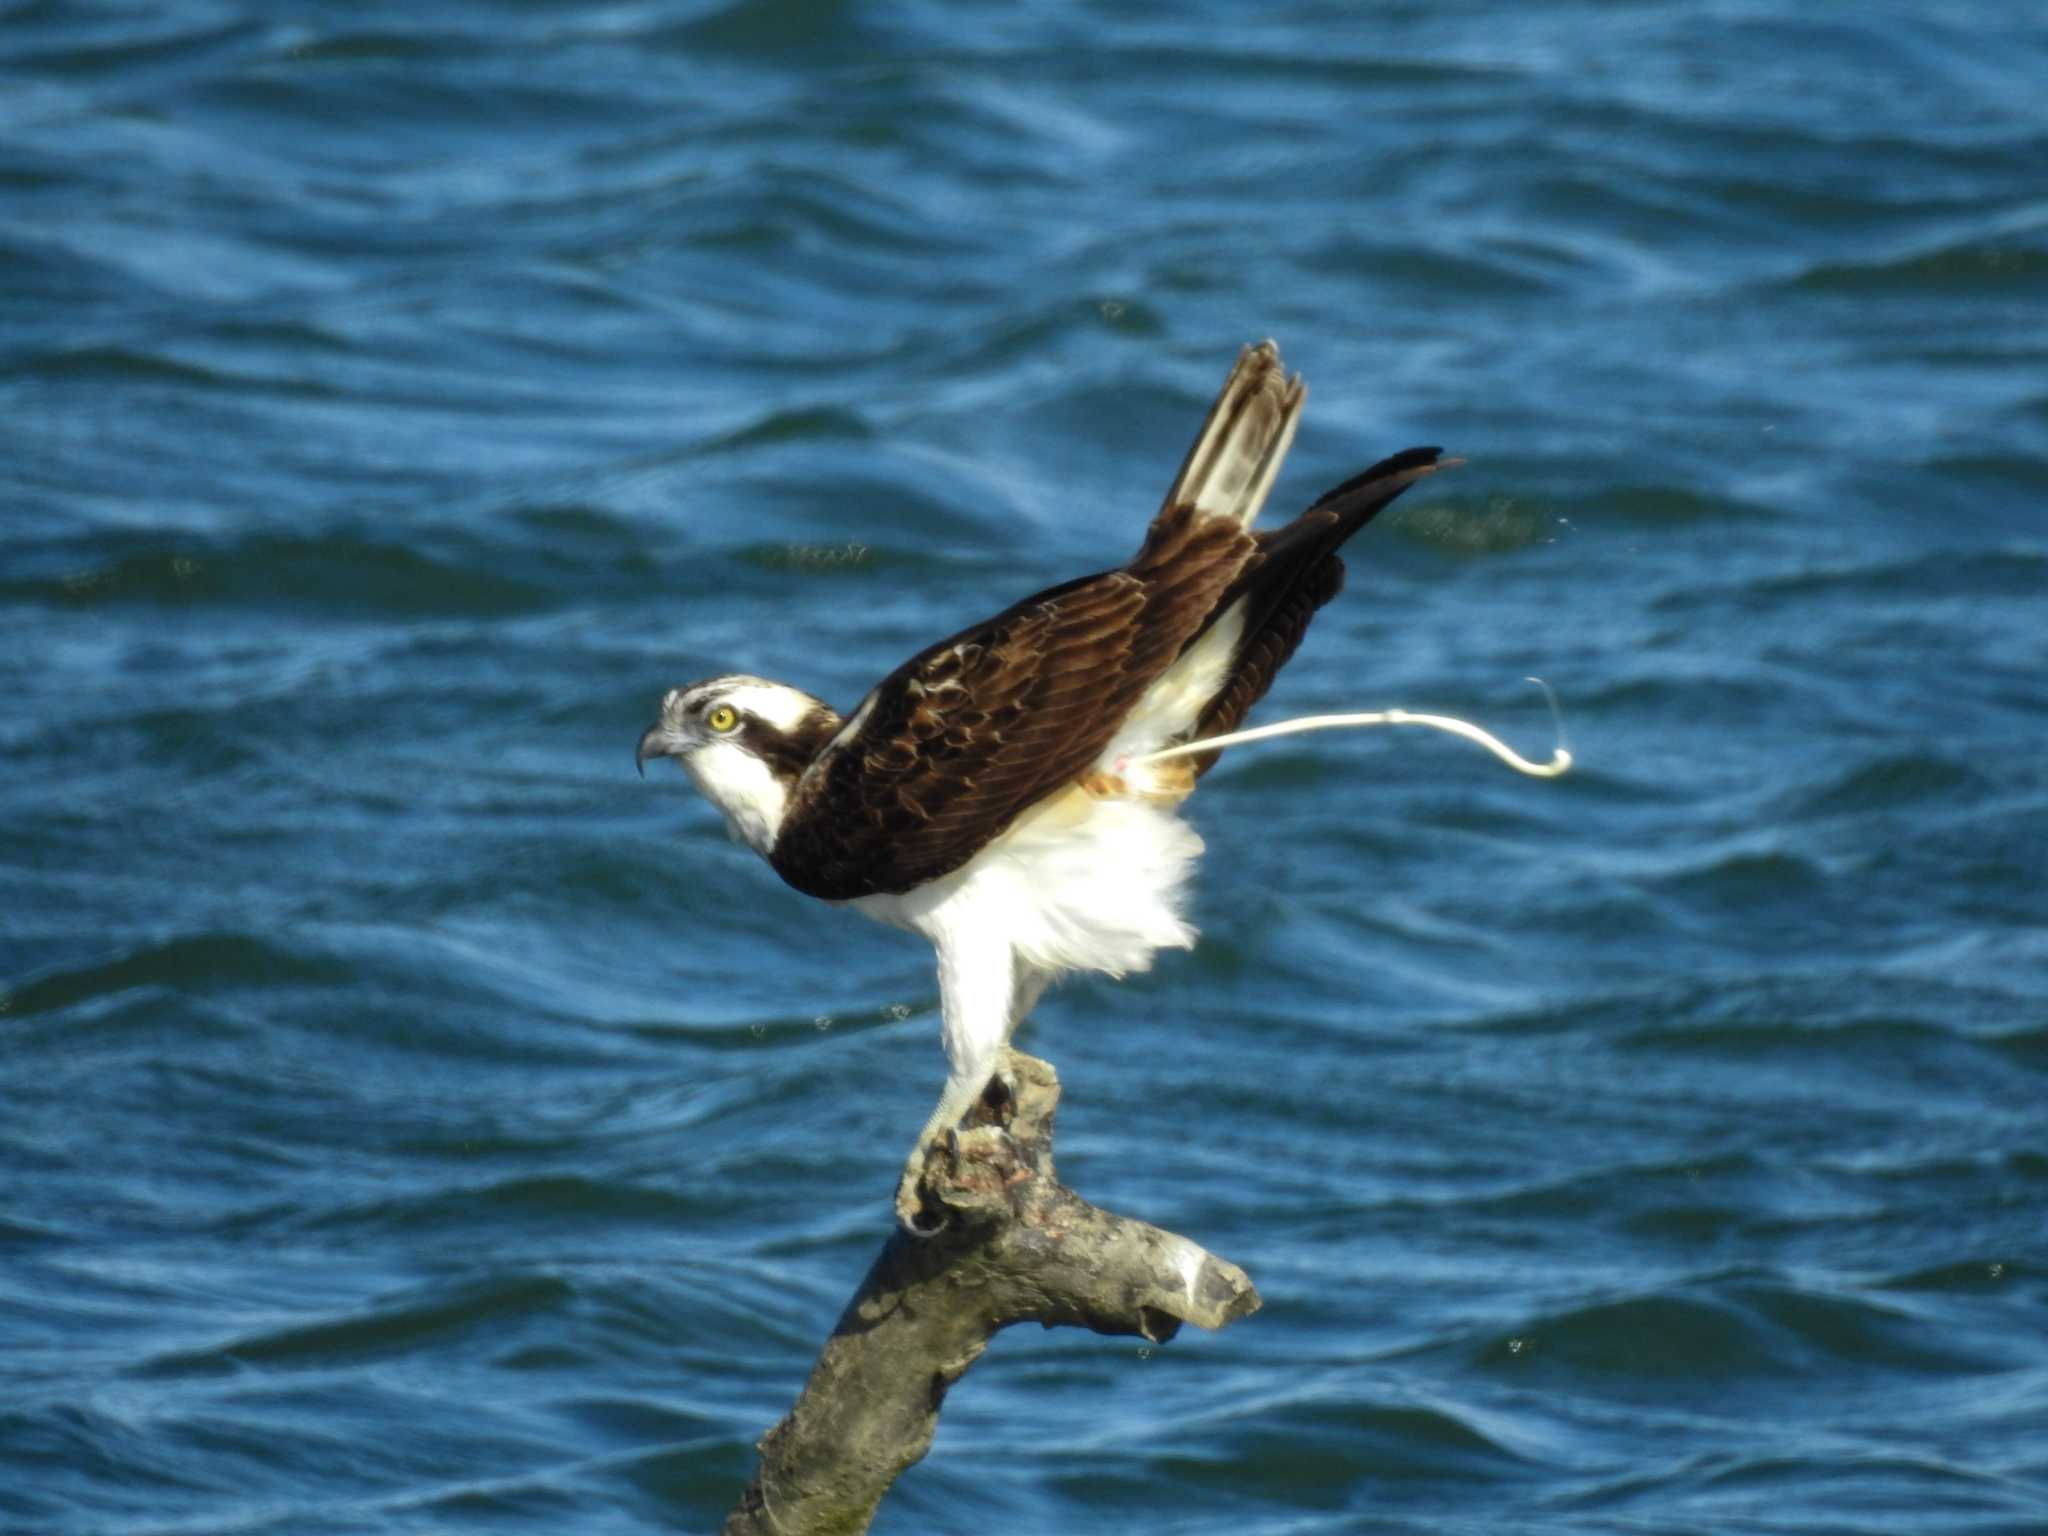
point(1105, 786)
point(909, 1207)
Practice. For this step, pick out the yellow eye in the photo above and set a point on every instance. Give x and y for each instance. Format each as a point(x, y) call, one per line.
point(723, 718)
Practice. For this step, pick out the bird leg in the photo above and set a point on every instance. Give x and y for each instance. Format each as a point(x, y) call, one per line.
point(984, 990)
point(961, 1099)
point(1165, 784)
point(1104, 785)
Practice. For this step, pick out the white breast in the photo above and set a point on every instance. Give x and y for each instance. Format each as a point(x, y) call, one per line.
point(1077, 884)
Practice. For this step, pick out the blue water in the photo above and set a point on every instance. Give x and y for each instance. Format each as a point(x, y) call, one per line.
point(412, 1122)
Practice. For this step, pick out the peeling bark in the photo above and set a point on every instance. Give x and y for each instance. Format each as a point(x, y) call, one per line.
point(1014, 1245)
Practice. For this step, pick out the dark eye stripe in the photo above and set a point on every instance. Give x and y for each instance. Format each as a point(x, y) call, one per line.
point(787, 753)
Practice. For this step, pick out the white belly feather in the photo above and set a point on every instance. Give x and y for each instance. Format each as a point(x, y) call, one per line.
point(1076, 884)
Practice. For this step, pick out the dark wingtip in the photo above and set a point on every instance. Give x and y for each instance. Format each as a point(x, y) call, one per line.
point(1388, 478)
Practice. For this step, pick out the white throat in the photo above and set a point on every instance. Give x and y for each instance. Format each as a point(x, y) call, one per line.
point(751, 798)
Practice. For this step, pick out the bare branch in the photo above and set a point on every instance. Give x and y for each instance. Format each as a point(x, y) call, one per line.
point(1014, 1245)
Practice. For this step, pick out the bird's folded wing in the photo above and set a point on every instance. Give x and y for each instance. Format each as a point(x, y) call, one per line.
point(951, 747)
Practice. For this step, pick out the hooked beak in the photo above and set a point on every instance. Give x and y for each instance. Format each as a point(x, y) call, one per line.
point(653, 743)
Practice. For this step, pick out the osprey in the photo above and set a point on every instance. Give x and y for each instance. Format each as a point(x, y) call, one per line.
point(993, 793)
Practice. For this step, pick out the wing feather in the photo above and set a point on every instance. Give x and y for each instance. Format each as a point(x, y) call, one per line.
point(964, 737)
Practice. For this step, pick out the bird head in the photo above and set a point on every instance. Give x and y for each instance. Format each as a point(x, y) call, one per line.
point(745, 741)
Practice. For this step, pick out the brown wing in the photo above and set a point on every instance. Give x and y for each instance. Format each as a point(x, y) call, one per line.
point(957, 742)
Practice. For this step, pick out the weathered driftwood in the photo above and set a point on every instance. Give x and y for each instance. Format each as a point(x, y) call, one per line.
point(1016, 1246)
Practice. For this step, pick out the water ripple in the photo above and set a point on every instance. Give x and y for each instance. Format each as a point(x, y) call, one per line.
point(412, 1118)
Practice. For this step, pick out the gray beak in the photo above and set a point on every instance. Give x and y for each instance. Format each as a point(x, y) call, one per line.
point(652, 744)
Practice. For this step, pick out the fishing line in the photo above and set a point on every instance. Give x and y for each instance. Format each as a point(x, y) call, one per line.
point(1560, 756)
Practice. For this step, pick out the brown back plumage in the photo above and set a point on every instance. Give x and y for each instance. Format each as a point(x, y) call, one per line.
point(954, 744)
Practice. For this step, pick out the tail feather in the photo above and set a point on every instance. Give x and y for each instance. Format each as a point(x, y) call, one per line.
point(1232, 465)
point(1296, 571)
point(1365, 493)
point(1291, 557)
